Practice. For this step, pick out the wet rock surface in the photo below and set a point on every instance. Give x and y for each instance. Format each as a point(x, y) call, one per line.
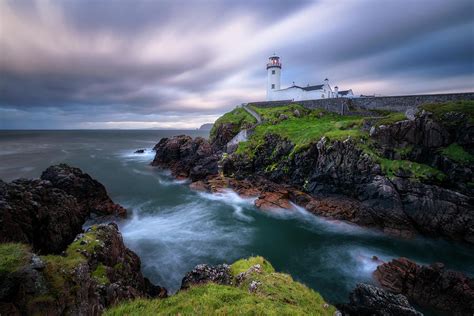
point(186, 157)
point(203, 273)
point(369, 300)
point(49, 212)
point(430, 286)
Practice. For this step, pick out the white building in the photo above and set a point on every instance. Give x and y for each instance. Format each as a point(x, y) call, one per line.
point(297, 93)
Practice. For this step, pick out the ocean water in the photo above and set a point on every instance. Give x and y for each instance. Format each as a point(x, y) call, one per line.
point(173, 228)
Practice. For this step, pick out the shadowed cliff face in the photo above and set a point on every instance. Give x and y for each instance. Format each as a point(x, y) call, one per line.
point(431, 286)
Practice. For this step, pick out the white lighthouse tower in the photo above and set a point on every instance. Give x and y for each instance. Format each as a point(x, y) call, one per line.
point(273, 75)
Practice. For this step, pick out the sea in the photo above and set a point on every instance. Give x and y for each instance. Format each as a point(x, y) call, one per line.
point(173, 228)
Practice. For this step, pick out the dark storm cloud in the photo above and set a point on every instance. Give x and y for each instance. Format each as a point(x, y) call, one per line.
point(92, 64)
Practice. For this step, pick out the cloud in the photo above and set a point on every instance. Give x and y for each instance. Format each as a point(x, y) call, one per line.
point(152, 63)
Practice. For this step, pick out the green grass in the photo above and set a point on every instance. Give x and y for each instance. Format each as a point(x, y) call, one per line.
point(277, 294)
point(13, 256)
point(58, 268)
point(243, 265)
point(305, 130)
point(272, 114)
point(100, 274)
point(391, 118)
point(457, 153)
point(440, 110)
point(238, 117)
point(390, 168)
point(417, 170)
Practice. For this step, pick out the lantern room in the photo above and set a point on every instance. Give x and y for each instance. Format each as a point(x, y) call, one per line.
point(274, 61)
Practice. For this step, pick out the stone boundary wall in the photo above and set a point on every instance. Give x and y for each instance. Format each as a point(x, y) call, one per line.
point(392, 103)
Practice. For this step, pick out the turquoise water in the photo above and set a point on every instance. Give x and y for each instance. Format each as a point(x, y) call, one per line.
point(173, 228)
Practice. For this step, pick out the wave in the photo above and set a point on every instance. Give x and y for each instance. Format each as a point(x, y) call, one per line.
point(130, 155)
point(172, 241)
point(231, 198)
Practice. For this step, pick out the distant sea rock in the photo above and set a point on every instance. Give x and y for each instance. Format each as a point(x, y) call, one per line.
point(206, 127)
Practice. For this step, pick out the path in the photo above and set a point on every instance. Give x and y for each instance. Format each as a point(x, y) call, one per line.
point(253, 113)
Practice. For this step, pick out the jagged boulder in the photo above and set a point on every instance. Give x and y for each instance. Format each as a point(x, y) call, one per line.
point(369, 300)
point(89, 193)
point(431, 286)
point(203, 273)
point(186, 157)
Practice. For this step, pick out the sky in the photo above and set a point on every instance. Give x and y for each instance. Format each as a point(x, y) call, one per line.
point(88, 64)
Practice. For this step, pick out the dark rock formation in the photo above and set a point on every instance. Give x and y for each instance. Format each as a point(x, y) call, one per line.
point(48, 213)
point(368, 300)
point(223, 134)
point(186, 157)
point(89, 193)
point(204, 273)
point(97, 271)
point(430, 286)
point(139, 151)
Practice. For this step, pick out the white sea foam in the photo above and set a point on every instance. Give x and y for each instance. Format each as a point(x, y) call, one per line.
point(330, 225)
point(172, 241)
point(148, 155)
point(231, 198)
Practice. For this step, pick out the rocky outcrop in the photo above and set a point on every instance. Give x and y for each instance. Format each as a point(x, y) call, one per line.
point(96, 271)
point(420, 140)
point(186, 157)
point(431, 286)
point(224, 134)
point(353, 179)
point(203, 273)
point(89, 193)
point(368, 300)
point(49, 212)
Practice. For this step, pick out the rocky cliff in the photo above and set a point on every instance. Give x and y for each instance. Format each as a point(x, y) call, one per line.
point(404, 176)
point(431, 286)
point(48, 265)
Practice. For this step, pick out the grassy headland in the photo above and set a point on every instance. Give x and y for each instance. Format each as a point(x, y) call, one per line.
point(274, 294)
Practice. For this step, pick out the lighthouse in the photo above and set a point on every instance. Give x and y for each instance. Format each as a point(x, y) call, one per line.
point(273, 75)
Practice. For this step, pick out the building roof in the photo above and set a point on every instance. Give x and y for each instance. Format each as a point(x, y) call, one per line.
point(316, 87)
point(345, 92)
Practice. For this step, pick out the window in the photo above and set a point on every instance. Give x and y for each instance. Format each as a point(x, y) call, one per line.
point(273, 86)
point(273, 72)
point(322, 96)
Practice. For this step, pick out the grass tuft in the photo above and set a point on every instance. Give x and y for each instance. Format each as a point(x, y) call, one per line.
point(243, 265)
point(13, 256)
point(457, 153)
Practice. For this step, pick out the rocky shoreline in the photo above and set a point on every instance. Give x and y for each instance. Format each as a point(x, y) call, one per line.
point(93, 271)
point(342, 179)
point(354, 180)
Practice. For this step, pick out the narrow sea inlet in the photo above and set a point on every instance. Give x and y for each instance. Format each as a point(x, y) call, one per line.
point(173, 228)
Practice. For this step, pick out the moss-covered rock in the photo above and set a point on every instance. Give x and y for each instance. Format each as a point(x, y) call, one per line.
point(261, 292)
point(229, 125)
point(94, 272)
